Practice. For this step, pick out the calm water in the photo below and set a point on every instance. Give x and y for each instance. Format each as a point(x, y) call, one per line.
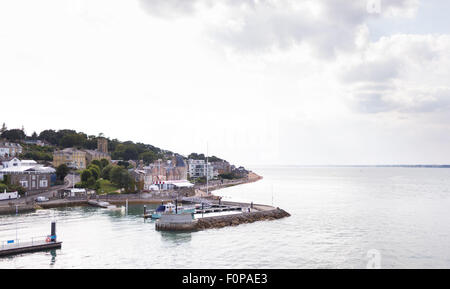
point(338, 215)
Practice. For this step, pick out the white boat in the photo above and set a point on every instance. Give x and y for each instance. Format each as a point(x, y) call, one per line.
point(170, 208)
point(41, 199)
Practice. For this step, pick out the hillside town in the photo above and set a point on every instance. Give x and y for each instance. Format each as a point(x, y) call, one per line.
point(97, 168)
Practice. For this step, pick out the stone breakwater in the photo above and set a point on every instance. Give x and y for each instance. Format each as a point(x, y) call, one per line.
point(224, 221)
point(237, 219)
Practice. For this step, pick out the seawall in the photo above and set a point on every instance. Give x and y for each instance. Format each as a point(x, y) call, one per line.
point(10, 209)
point(224, 221)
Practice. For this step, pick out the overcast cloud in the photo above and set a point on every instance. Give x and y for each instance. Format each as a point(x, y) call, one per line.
point(263, 82)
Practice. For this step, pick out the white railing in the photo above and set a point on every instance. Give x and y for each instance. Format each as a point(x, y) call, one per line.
point(15, 243)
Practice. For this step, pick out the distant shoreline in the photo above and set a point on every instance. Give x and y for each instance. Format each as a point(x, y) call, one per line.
point(358, 166)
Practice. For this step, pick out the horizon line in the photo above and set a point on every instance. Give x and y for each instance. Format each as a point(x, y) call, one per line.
point(354, 166)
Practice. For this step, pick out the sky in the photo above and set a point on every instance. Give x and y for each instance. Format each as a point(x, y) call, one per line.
point(257, 82)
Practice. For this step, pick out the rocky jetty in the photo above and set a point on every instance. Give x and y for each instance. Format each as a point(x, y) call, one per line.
point(237, 219)
point(224, 221)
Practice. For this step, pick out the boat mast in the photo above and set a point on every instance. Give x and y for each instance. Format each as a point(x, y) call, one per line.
point(159, 174)
point(207, 193)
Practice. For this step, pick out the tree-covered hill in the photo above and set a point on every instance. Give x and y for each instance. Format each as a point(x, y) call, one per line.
point(65, 138)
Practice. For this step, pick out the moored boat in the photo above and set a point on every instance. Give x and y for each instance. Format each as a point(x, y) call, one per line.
point(170, 208)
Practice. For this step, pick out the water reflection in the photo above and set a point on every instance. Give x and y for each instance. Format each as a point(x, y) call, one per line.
point(118, 212)
point(176, 238)
point(53, 259)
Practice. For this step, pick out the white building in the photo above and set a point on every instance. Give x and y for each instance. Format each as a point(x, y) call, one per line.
point(9, 149)
point(170, 185)
point(198, 168)
point(15, 162)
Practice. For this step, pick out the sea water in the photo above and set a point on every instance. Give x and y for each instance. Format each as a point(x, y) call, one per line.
point(341, 217)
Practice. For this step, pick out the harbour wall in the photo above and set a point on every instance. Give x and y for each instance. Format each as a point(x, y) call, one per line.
point(223, 221)
point(10, 209)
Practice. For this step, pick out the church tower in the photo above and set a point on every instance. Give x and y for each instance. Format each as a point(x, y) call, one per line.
point(102, 145)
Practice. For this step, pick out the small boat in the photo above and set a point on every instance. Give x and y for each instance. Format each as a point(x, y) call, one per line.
point(204, 206)
point(170, 208)
point(41, 199)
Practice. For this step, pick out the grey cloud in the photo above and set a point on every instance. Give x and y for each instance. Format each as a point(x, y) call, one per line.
point(371, 84)
point(270, 25)
point(418, 101)
point(267, 24)
point(166, 8)
point(379, 71)
point(372, 103)
point(436, 101)
point(385, 84)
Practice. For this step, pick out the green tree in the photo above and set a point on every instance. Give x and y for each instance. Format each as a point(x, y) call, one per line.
point(62, 171)
point(97, 163)
point(50, 136)
point(148, 157)
point(37, 156)
point(130, 153)
point(122, 178)
point(106, 172)
point(104, 163)
point(90, 142)
point(72, 140)
point(16, 188)
point(85, 175)
point(95, 171)
point(91, 183)
point(214, 159)
point(115, 175)
point(196, 156)
point(126, 151)
point(14, 135)
point(3, 187)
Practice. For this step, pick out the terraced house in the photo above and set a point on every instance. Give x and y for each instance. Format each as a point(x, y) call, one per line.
point(9, 149)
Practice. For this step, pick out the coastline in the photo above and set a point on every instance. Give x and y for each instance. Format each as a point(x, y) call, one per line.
point(137, 198)
point(256, 212)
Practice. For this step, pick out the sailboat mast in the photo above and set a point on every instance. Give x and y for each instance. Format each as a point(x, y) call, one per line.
point(207, 192)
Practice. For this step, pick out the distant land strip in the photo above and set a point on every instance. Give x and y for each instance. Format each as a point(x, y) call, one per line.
point(360, 166)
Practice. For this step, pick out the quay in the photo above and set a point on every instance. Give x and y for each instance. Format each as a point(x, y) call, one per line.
point(14, 247)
